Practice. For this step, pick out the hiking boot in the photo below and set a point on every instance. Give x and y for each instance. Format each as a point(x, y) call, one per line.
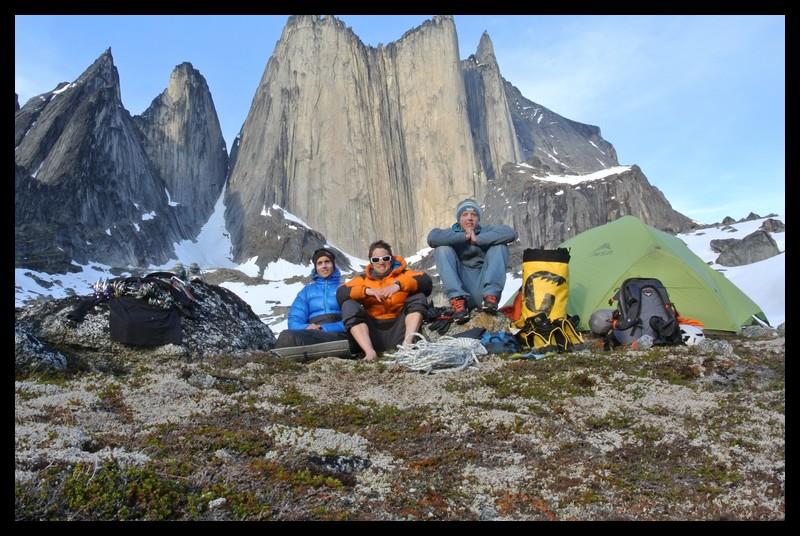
point(490, 303)
point(460, 311)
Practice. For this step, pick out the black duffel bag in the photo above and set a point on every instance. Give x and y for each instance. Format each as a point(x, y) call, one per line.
point(134, 321)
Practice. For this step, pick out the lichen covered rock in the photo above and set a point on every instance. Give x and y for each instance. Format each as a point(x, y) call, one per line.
point(220, 323)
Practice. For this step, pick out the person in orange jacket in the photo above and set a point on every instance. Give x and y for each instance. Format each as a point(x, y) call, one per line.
point(385, 305)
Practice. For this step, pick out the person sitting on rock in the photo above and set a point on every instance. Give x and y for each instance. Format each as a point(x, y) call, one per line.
point(472, 260)
point(315, 315)
point(384, 306)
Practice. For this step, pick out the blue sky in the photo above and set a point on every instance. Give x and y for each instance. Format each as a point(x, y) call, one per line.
point(698, 102)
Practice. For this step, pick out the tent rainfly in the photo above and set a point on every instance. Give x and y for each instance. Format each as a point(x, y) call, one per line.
point(603, 257)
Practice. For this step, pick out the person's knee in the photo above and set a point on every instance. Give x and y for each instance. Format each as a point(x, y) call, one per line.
point(416, 303)
point(444, 254)
point(496, 257)
point(352, 314)
point(498, 250)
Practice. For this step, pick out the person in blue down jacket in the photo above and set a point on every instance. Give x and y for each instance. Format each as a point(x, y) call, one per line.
point(315, 315)
point(472, 260)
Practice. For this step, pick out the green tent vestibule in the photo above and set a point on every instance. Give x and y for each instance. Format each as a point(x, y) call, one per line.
point(603, 257)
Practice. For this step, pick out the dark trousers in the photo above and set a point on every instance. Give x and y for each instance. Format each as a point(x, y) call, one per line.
point(384, 334)
point(304, 337)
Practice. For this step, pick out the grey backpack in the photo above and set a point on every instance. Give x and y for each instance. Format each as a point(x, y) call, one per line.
point(644, 308)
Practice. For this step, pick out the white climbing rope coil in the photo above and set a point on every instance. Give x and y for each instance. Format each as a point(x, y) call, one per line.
point(444, 355)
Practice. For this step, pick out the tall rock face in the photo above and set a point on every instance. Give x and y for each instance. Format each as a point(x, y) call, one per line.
point(25, 117)
point(85, 189)
point(182, 138)
point(360, 142)
point(560, 144)
point(547, 209)
point(489, 116)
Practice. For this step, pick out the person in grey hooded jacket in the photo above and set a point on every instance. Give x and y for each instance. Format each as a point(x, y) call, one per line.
point(472, 260)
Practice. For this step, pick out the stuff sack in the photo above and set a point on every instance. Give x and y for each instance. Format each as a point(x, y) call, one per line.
point(134, 321)
point(499, 342)
point(495, 342)
point(644, 308)
point(545, 284)
point(543, 321)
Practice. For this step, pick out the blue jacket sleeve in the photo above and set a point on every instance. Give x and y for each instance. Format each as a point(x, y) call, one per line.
point(492, 235)
point(445, 237)
point(298, 313)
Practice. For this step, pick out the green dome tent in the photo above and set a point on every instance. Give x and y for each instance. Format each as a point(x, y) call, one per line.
point(603, 257)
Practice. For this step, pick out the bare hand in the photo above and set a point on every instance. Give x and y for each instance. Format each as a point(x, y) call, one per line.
point(470, 237)
point(377, 294)
point(391, 289)
point(313, 326)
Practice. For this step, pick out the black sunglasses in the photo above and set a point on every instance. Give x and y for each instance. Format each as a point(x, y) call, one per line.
point(385, 258)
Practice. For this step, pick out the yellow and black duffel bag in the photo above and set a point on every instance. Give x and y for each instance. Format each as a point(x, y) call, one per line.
point(543, 322)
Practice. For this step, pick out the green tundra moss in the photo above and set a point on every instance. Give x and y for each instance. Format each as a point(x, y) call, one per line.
point(114, 493)
point(107, 492)
point(292, 396)
point(111, 398)
point(199, 441)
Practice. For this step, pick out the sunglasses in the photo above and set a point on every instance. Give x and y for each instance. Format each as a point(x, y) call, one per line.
point(385, 258)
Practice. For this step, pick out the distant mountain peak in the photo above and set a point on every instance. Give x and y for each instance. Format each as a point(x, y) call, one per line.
point(485, 52)
point(102, 74)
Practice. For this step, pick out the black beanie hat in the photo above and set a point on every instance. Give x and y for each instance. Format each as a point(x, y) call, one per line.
point(323, 252)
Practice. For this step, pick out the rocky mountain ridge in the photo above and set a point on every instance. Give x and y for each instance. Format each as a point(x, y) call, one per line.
point(92, 183)
point(360, 142)
point(403, 137)
point(552, 142)
point(83, 182)
point(355, 140)
point(182, 138)
point(547, 212)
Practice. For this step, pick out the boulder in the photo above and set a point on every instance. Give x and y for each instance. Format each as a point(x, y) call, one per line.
point(754, 247)
point(33, 355)
point(728, 220)
point(719, 347)
point(759, 332)
point(721, 244)
point(782, 329)
point(772, 225)
point(220, 323)
point(752, 216)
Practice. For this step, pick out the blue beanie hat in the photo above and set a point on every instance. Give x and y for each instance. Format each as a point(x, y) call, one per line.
point(468, 204)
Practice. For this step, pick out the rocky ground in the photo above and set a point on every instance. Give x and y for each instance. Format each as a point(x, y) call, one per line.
point(660, 434)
